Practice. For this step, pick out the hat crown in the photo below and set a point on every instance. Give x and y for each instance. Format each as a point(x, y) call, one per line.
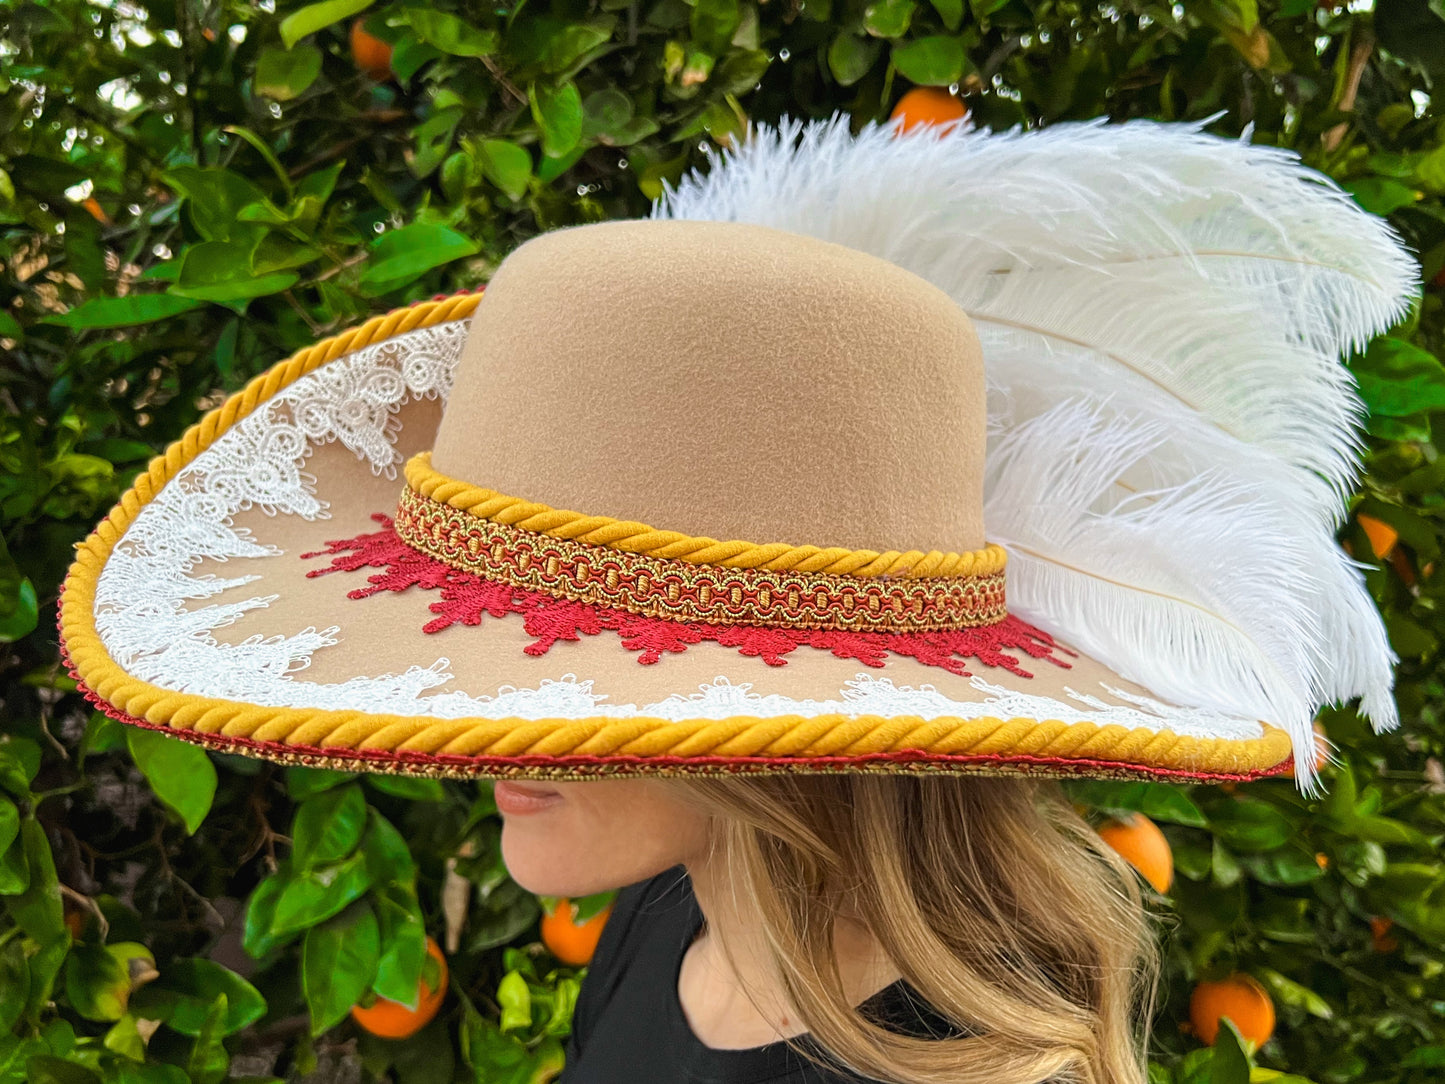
point(724, 380)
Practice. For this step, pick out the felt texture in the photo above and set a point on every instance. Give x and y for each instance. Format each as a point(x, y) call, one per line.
point(724, 380)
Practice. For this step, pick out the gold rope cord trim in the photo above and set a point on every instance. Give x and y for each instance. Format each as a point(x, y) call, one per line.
point(639, 538)
point(677, 591)
point(737, 736)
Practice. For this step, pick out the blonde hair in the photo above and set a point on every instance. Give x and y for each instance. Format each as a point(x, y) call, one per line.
point(996, 901)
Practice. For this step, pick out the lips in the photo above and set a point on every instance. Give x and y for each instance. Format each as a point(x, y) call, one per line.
point(536, 789)
point(517, 798)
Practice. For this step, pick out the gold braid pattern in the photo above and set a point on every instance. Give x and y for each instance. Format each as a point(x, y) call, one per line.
point(641, 539)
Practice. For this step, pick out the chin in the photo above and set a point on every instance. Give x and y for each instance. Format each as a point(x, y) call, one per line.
point(576, 838)
point(548, 863)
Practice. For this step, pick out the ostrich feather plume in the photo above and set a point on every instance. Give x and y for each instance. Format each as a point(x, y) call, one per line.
point(1172, 433)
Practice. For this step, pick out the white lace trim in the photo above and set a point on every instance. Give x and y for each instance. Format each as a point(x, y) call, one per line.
point(142, 595)
point(144, 592)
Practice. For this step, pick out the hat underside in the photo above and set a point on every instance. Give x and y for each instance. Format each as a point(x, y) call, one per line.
point(190, 610)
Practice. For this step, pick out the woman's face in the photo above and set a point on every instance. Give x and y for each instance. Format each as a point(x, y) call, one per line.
point(574, 839)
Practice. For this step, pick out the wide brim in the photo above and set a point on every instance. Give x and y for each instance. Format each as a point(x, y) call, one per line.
point(192, 610)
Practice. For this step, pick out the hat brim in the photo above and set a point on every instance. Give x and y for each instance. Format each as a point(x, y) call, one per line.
point(191, 610)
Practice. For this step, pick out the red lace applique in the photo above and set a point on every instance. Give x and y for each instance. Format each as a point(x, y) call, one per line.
point(465, 599)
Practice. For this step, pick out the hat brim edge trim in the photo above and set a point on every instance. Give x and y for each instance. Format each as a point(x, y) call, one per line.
point(587, 767)
point(140, 703)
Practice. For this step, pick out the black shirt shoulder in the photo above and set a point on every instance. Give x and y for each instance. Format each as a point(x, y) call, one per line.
point(629, 1025)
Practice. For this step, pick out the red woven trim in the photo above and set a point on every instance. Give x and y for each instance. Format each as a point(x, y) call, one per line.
point(903, 761)
point(680, 591)
point(467, 598)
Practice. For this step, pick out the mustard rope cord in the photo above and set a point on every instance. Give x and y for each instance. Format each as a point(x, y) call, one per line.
point(790, 735)
point(641, 539)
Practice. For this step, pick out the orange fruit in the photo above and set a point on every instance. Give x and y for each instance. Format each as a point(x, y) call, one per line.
point(570, 941)
point(929, 105)
point(1322, 748)
point(1240, 998)
point(389, 1019)
point(1322, 860)
point(370, 53)
point(1144, 847)
point(1381, 535)
point(1379, 930)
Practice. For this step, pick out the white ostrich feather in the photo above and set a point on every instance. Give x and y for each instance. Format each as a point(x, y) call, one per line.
point(1172, 434)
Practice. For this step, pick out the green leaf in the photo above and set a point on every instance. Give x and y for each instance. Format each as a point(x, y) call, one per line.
point(37, 910)
point(106, 312)
point(1224, 865)
point(1286, 866)
point(403, 948)
point(96, 983)
point(1230, 1064)
point(516, 1001)
point(1398, 378)
point(498, 1058)
point(19, 761)
point(1250, 825)
point(451, 34)
point(14, 983)
point(934, 61)
point(587, 907)
point(850, 57)
point(402, 256)
point(214, 198)
point(209, 1061)
point(1381, 195)
point(9, 824)
point(338, 964)
point(125, 1039)
point(102, 735)
point(413, 788)
point(950, 11)
point(573, 43)
point(316, 17)
point(302, 783)
point(314, 895)
point(387, 855)
point(46, 1069)
point(1288, 992)
point(152, 1074)
point(20, 614)
point(888, 18)
point(284, 74)
point(1158, 801)
point(431, 140)
point(257, 933)
point(506, 165)
point(221, 271)
point(181, 774)
point(328, 827)
point(187, 989)
point(558, 113)
point(714, 22)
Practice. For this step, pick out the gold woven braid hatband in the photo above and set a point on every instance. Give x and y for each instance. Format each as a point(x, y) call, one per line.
point(682, 591)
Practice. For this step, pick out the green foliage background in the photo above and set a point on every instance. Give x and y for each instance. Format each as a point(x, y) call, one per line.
point(193, 189)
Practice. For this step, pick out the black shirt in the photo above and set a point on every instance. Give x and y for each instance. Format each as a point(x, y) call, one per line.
point(629, 1027)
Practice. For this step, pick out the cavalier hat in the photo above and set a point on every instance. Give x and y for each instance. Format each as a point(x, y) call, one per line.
point(949, 452)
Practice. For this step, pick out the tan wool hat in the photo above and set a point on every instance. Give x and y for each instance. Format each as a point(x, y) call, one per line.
point(887, 467)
